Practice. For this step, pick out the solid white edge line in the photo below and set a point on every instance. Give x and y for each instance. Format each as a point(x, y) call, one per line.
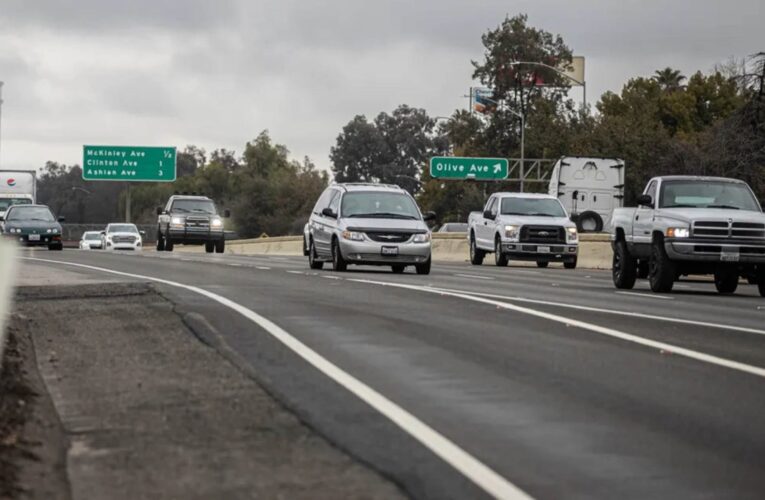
point(474, 276)
point(610, 332)
point(668, 319)
point(469, 466)
point(644, 295)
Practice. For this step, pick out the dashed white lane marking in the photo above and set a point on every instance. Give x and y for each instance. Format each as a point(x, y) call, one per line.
point(296, 272)
point(474, 276)
point(610, 332)
point(330, 277)
point(472, 468)
point(645, 295)
point(263, 268)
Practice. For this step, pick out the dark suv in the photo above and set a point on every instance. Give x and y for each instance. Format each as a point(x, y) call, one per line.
point(190, 220)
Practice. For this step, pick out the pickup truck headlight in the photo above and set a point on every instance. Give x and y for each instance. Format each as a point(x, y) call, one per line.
point(353, 236)
point(216, 223)
point(512, 232)
point(176, 221)
point(571, 235)
point(421, 238)
point(678, 232)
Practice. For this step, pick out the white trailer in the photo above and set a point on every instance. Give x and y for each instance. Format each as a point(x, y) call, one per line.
point(17, 187)
point(589, 188)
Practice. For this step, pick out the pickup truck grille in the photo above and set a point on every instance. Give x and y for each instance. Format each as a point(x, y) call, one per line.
point(123, 239)
point(197, 223)
point(725, 229)
point(389, 237)
point(543, 234)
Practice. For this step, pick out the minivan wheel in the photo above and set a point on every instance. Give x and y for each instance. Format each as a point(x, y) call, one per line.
point(338, 262)
point(398, 268)
point(542, 263)
point(476, 254)
point(423, 268)
point(623, 268)
point(500, 259)
point(312, 262)
point(761, 279)
point(726, 280)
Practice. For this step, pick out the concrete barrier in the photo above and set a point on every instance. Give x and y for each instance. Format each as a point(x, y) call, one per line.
point(594, 252)
point(7, 277)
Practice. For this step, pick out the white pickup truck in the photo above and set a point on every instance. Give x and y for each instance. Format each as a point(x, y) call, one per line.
point(690, 225)
point(522, 226)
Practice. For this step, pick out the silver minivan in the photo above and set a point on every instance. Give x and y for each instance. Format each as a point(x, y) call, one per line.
point(368, 224)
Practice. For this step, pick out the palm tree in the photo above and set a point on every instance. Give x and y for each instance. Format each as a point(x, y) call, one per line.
point(669, 79)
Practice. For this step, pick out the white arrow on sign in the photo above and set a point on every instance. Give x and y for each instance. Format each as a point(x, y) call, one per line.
point(497, 168)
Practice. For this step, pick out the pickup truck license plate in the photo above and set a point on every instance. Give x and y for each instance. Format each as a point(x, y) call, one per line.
point(34, 237)
point(543, 249)
point(389, 251)
point(729, 256)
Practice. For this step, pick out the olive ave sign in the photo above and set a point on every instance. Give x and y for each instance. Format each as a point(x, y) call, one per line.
point(128, 163)
point(455, 167)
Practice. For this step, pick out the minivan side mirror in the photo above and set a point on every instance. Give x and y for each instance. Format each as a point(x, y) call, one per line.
point(160, 210)
point(429, 216)
point(488, 215)
point(61, 218)
point(227, 213)
point(328, 212)
point(645, 200)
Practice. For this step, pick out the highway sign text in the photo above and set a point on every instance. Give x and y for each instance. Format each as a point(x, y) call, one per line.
point(128, 163)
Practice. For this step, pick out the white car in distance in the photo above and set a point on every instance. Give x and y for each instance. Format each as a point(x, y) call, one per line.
point(91, 240)
point(122, 236)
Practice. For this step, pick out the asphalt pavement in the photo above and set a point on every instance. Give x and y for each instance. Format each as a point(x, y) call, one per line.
point(477, 381)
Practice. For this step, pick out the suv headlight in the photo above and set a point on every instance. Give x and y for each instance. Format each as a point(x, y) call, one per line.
point(176, 221)
point(421, 238)
point(512, 232)
point(678, 232)
point(353, 236)
point(216, 223)
point(571, 235)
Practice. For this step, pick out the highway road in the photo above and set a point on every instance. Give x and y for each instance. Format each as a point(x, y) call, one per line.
point(482, 381)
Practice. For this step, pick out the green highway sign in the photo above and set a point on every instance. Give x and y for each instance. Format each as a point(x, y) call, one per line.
point(128, 163)
point(454, 167)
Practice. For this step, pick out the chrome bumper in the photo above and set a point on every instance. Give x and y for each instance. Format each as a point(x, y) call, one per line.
point(716, 250)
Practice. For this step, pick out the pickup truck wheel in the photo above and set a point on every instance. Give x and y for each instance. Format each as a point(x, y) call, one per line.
point(726, 280)
point(570, 264)
point(423, 268)
point(642, 269)
point(160, 242)
point(624, 267)
point(542, 263)
point(220, 246)
point(500, 259)
point(476, 254)
point(398, 268)
point(169, 245)
point(313, 263)
point(761, 280)
point(210, 247)
point(661, 270)
point(338, 262)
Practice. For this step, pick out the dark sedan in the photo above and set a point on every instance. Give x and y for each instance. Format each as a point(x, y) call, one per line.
point(33, 225)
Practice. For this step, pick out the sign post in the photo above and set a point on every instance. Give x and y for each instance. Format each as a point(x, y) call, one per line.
point(129, 164)
point(459, 168)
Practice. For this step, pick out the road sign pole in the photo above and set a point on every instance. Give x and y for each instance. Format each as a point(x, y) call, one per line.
point(523, 145)
point(127, 204)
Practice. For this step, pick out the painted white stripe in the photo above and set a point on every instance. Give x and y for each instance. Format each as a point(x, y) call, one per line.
point(645, 295)
point(296, 272)
point(263, 268)
point(475, 470)
point(329, 277)
point(689, 353)
point(474, 276)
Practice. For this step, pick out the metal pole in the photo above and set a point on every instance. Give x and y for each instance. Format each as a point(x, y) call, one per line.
point(584, 94)
point(523, 141)
point(127, 204)
point(1, 117)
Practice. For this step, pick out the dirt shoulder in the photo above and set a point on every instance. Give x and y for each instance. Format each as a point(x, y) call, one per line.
point(143, 409)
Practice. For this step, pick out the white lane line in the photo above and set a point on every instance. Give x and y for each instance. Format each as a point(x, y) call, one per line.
point(645, 295)
point(263, 268)
point(329, 277)
point(610, 332)
point(296, 272)
point(236, 265)
point(474, 276)
point(472, 468)
point(564, 305)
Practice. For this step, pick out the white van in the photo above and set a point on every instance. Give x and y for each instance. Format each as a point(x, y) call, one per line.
point(590, 189)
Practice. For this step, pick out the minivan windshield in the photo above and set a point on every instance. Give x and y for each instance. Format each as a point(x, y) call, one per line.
point(707, 194)
point(123, 228)
point(194, 206)
point(22, 213)
point(379, 204)
point(540, 207)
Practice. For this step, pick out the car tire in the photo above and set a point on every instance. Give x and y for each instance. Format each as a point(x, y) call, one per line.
point(726, 280)
point(642, 269)
point(398, 268)
point(210, 247)
point(542, 263)
point(423, 268)
point(220, 246)
point(160, 242)
point(312, 262)
point(306, 250)
point(761, 280)
point(476, 254)
point(624, 267)
point(570, 264)
point(500, 259)
point(661, 270)
point(338, 262)
point(169, 245)
point(58, 247)
point(589, 222)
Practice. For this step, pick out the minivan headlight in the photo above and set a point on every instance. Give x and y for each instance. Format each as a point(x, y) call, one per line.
point(421, 238)
point(678, 232)
point(353, 236)
point(512, 232)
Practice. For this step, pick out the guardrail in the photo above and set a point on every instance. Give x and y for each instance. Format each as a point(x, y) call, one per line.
point(7, 278)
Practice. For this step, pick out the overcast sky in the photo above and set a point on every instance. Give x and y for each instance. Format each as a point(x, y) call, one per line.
point(216, 73)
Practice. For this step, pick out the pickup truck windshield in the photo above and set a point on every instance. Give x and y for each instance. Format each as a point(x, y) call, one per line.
point(21, 213)
point(123, 228)
point(194, 207)
point(541, 207)
point(381, 205)
point(707, 194)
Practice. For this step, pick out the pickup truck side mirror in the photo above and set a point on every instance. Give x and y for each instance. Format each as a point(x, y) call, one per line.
point(429, 216)
point(227, 213)
point(328, 212)
point(645, 200)
point(142, 233)
point(487, 214)
point(61, 218)
point(160, 210)
point(2, 218)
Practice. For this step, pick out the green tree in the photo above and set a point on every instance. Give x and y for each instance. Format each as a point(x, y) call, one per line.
point(669, 80)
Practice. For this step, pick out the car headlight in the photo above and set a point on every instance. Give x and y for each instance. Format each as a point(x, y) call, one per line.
point(421, 238)
point(571, 234)
point(678, 232)
point(176, 221)
point(353, 235)
point(512, 232)
point(216, 223)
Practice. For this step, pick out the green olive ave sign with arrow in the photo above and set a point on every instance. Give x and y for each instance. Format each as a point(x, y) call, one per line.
point(128, 163)
point(454, 167)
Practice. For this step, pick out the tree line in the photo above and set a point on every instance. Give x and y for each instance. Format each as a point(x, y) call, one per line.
point(708, 123)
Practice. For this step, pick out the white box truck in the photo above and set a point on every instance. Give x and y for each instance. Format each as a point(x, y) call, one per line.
point(17, 187)
point(590, 189)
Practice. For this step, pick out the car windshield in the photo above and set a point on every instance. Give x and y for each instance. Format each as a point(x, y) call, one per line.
point(707, 194)
point(541, 207)
point(20, 213)
point(383, 205)
point(8, 202)
point(92, 236)
point(194, 206)
point(122, 228)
